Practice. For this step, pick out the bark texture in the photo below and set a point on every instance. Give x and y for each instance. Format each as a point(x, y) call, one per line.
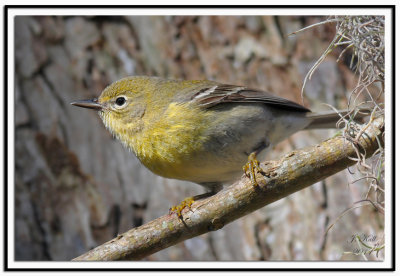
point(76, 187)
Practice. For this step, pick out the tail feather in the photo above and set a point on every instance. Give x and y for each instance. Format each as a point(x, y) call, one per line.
point(329, 119)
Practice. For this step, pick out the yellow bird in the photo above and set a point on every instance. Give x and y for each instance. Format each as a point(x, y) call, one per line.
point(199, 130)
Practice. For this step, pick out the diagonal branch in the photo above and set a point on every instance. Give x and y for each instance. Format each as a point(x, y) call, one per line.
point(295, 171)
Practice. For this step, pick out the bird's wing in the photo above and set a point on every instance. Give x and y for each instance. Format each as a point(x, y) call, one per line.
point(224, 93)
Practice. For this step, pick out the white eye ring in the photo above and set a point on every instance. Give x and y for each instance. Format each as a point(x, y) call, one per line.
point(120, 101)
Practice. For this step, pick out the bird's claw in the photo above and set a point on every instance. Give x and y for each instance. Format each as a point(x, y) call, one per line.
point(187, 202)
point(251, 168)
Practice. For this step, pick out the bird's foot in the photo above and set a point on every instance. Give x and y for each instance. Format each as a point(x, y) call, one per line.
point(252, 167)
point(187, 202)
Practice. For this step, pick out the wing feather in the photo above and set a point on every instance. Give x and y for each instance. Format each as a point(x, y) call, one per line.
point(223, 93)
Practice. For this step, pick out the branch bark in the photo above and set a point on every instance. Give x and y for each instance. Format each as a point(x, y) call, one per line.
point(295, 171)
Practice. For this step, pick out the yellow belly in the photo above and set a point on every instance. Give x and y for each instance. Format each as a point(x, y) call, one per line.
point(170, 146)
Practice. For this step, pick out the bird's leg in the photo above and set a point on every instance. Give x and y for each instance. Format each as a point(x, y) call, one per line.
point(252, 167)
point(187, 202)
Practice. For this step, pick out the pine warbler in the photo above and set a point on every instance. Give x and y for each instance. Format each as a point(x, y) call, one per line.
point(199, 130)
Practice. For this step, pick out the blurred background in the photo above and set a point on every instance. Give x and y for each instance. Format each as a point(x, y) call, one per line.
point(76, 187)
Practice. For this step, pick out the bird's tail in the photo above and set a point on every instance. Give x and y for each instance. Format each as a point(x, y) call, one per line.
point(328, 119)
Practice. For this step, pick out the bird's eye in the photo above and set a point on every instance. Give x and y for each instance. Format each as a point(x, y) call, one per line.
point(120, 101)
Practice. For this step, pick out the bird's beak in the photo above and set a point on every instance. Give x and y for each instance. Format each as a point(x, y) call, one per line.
point(92, 104)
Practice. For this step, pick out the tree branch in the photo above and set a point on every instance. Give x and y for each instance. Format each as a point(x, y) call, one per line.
point(295, 171)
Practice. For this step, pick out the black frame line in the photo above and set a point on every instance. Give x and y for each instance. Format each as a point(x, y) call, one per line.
point(5, 108)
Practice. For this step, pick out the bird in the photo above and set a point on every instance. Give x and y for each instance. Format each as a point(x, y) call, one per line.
point(200, 131)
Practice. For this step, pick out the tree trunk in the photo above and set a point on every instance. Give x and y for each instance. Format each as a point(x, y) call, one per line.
point(76, 187)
